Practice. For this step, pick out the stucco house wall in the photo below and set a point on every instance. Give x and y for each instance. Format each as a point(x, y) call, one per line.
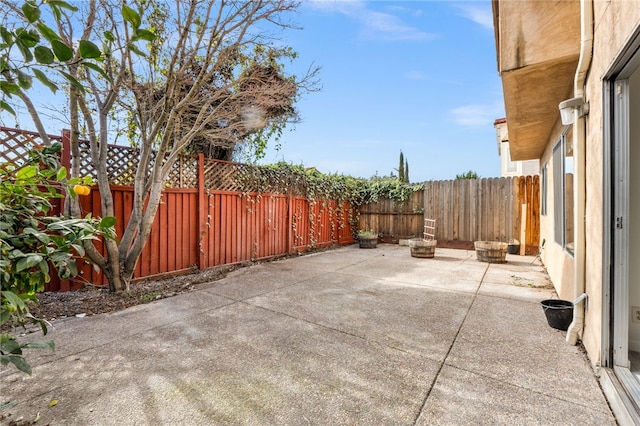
point(624, 17)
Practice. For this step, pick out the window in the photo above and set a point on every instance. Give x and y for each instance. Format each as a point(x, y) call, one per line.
point(543, 190)
point(568, 190)
point(563, 170)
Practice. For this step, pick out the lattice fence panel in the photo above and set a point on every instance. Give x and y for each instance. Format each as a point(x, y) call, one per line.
point(227, 176)
point(184, 173)
point(223, 176)
point(15, 144)
point(122, 166)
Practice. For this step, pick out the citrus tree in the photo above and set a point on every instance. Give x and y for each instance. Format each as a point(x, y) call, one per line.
point(33, 241)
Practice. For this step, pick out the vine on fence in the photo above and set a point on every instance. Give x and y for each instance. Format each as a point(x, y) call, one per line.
point(310, 183)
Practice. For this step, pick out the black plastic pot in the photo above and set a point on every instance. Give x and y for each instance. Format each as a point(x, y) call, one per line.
point(513, 248)
point(559, 313)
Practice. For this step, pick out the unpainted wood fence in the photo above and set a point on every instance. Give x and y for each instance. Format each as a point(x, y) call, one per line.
point(465, 210)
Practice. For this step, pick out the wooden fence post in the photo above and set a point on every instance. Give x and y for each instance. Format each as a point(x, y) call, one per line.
point(65, 161)
point(203, 212)
point(290, 233)
point(523, 230)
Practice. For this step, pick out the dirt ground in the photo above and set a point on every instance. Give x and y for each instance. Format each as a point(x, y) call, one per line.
point(92, 300)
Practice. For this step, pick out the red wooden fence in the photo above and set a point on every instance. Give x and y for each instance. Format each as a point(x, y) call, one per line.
point(199, 227)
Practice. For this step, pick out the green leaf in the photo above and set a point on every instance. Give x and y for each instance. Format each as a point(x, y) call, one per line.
point(27, 172)
point(24, 80)
point(88, 50)
point(79, 249)
point(107, 222)
point(62, 4)
point(7, 404)
point(28, 262)
point(29, 37)
point(31, 11)
point(4, 316)
point(20, 363)
point(137, 51)
point(62, 173)
point(142, 34)
point(6, 35)
point(13, 299)
point(10, 346)
point(25, 50)
point(62, 51)
point(108, 35)
point(75, 83)
point(131, 16)
point(48, 344)
point(47, 32)
point(45, 80)
point(97, 69)
point(9, 88)
point(5, 106)
point(43, 55)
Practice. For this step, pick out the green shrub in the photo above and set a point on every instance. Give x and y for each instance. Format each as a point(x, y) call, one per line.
point(32, 241)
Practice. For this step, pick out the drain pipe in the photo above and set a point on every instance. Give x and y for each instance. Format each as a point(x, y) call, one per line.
point(579, 148)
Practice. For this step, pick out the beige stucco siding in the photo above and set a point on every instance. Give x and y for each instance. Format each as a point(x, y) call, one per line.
point(624, 17)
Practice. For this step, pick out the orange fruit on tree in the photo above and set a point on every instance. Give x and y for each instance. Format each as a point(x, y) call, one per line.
point(81, 189)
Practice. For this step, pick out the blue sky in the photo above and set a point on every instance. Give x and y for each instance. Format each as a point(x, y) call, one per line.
point(416, 76)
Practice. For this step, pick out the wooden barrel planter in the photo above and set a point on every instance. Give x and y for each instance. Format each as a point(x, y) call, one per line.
point(368, 241)
point(422, 248)
point(491, 251)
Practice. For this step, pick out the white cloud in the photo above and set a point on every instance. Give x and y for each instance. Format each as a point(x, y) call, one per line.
point(475, 115)
point(479, 14)
point(416, 75)
point(375, 25)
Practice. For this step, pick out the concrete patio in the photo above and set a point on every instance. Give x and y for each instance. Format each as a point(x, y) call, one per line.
point(342, 337)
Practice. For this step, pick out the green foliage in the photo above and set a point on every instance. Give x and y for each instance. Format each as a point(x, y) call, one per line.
point(468, 175)
point(403, 169)
point(401, 172)
point(392, 189)
point(285, 178)
point(11, 351)
point(42, 50)
point(406, 171)
point(32, 240)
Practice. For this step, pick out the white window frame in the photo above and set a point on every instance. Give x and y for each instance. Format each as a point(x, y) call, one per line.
point(559, 191)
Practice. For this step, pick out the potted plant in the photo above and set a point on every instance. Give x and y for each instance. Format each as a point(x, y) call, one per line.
point(491, 251)
point(422, 248)
point(368, 239)
point(513, 247)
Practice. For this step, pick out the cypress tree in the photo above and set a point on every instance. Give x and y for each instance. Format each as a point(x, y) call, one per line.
point(406, 171)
